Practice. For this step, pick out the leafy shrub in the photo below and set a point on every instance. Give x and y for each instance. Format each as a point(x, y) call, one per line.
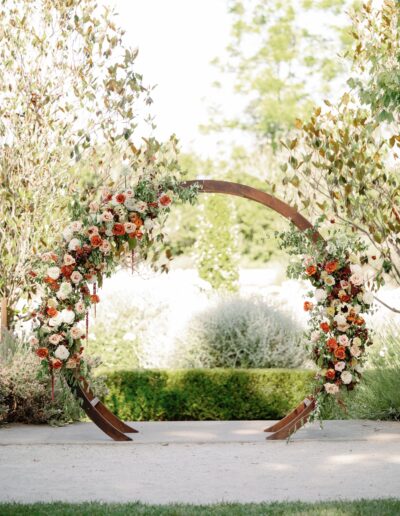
point(241, 332)
point(25, 397)
point(216, 394)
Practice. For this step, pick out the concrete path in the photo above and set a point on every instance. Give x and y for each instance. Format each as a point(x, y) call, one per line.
point(200, 462)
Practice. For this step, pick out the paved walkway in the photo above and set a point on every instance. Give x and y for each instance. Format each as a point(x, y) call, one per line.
point(200, 462)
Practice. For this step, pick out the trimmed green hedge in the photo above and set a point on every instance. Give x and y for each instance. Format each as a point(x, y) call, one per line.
point(206, 394)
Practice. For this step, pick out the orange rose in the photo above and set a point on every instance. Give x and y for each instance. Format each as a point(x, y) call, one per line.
point(94, 299)
point(308, 306)
point(344, 298)
point(96, 240)
point(331, 266)
point(51, 311)
point(331, 343)
point(360, 321)
point(340, 353)
point(311, 270)
point(118, 229)
point(42, 352)
point(330, 374)
point(56, 364)
point(324, 327)
point(135, 219)
point(67, 270)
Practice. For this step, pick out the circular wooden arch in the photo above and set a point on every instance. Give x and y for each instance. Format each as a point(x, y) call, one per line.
point(117, 429)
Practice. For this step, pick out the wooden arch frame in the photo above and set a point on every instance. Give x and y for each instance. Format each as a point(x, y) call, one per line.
point(117, 429)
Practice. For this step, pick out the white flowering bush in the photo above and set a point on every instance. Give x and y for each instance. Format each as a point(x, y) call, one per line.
point(242, 333)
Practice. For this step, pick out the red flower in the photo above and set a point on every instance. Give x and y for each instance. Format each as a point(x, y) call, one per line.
point(51, 311)
point(330, 374)
point(67, 270)
point(56, 364)
point(308, 306)
point(165, 200)
point(32, 274)
point(96, 241)
point(135, 219)
point(331, 343)
point(42, 352)
point(118, 229)
point(94, 298)
point(120, 198)
point(324, 327)
point(331, 266)
point(138, 234)
point(344, 298)
point(340, 353)
point(311, 270)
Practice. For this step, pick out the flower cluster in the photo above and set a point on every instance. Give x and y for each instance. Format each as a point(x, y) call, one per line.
point(89, 249)
point(338, 335)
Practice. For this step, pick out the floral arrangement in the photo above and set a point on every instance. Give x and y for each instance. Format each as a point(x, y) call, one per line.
point(124, 220)
point(338, 336)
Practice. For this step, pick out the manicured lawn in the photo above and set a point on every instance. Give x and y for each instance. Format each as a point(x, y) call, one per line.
point(359, 508)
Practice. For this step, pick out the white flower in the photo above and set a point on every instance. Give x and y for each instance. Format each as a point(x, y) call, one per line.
point(320, 295)
point(128, 193)
point(149, 224)
point(356, 279)
point(68, 316)
point(354, 260)
point(55, 321)
point(55, 338)
point(68, 259)
point(76, 226)
point(93, 230)
point(67, 234)
point(109, 232)
point(107, 216)
point(61, 352)
point(76, 277)
point(315, 335)
point(331, 248)
point(346, 377)
point(339, 366)
point(340, 319)
point(80, 307)
point(105, 247)
point(93, 207)
point(74, 244)
point(130, 203)
point(343, 340)
point(368, 298)
point(331, 388)
point(64, 290)
point(53, 272)
point(47, 257)
point(33, 341)
point(76, 332)
point(129, 227)
point(141, 206)
point(355, 351)
point(329, 280)
point(359, 369)
point(356, 268)
point(356, 341)
point(344, 284)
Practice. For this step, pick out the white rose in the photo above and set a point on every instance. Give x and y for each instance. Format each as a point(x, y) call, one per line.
point(346, 377)
point(343, 340)
point(76, 332)
point(129, 227)
point(359, 369)
point(55, 338)
point(93, 207)
point(356, 279)
point(331, 388)
point(61, 352)
point(109, 232)
point(368, 298)
point(148, 224)
point(357, 341)
point(340, 319)
point(141, 206)
point(53, 303)
point(80, 307)
point(107, 216)
point(129, 193)
point(105, 247)
point(76, 226)
point(315, 335)
point(76, 277)
point(356, 268)
point(68, 316)
point(33, 341)
point(329, 280)
point(355, 351)
point(64, 290)
point(339, 366)
point(68, 259)
point(46, 257)
point(67, 234)
point(55, 321)
point(130, 203)
point(74, 244)
point(320, 294)
point(53, 272)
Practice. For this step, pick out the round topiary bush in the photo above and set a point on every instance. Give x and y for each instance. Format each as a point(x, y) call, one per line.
point(241, 333)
